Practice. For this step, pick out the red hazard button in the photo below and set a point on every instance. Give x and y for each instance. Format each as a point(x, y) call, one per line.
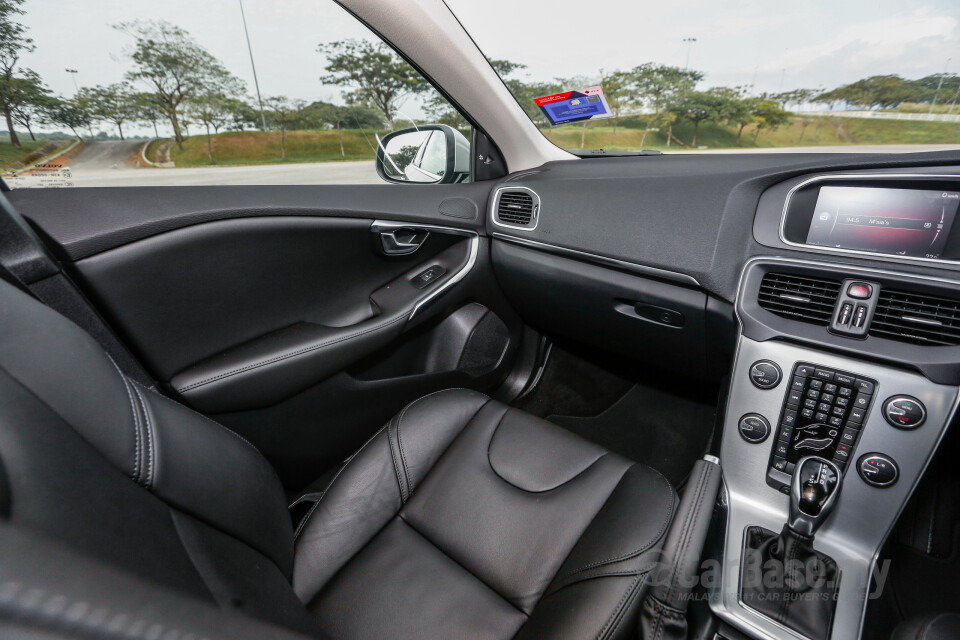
point(859, 291)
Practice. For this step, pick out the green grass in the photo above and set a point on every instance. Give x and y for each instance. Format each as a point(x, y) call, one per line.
point(255, 147)
point(10, 154)
point(802, 131)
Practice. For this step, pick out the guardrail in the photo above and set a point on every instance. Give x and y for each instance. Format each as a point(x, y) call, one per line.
point(885, 115)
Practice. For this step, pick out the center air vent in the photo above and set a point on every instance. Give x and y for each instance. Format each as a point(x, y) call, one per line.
point(517, 207)
point(799, 297)
point(916, 318)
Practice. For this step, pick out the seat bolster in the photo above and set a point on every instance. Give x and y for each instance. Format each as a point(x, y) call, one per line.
point(425, 428)
point(627, 533)
point(374, 484)
point(69, 372)
point(597, 591)
point(236, 491)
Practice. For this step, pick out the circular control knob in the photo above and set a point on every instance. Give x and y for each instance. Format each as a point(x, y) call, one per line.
point(878, 470)
point(765, 374)
point(904, 412)
point(754, 428)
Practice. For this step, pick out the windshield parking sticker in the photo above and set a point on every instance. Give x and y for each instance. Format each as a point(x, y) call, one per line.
point(574, 106)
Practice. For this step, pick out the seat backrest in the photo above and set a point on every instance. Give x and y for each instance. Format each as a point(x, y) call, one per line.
point(115, 470)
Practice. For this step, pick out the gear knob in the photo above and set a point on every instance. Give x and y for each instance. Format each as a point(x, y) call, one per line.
point(813, 491)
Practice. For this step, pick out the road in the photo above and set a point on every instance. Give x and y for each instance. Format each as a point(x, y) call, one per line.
point(115, 164)
point(118, 164)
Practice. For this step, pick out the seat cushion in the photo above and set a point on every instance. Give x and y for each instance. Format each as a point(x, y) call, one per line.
point(464, 518)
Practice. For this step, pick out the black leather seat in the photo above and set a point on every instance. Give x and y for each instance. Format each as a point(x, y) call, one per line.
point(460, 518)
point(939, 626)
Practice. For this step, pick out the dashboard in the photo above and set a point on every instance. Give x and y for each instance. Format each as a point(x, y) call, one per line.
point(840, 278)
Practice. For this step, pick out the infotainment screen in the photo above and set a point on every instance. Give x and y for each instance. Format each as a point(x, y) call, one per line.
point(902, 222)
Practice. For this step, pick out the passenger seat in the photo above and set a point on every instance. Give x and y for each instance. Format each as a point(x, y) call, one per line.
point(460, 518)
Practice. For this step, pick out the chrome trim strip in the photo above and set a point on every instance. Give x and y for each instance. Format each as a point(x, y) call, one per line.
point(495, 200)
point(717, 600)
point(859, 176)
point(600, 260)
point(474, 248)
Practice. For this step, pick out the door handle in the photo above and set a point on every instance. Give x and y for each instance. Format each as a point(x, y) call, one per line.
point(402, 241)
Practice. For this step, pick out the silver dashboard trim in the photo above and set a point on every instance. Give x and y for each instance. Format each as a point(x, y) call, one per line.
point(472, 236)
point(746, 618)
point(495, 200)
point(854, 252)
point(600, 260)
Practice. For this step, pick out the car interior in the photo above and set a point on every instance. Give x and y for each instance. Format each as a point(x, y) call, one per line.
point(612, 396)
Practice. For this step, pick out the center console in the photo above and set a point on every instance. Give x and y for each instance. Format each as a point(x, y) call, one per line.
point(816, 414)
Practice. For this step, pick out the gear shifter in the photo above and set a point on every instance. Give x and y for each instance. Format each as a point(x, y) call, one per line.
point(783, 576)
point(815, 486)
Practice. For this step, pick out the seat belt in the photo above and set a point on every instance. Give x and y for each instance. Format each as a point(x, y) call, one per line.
point(26, 263)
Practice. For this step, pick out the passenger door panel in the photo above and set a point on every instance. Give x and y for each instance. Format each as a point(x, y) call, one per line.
point(289, 324)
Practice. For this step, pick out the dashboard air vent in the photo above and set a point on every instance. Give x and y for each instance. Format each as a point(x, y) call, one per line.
point(916, 318)
point(518, 208)
point(799, 297)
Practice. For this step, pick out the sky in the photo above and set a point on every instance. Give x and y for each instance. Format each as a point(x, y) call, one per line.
point(771, 44)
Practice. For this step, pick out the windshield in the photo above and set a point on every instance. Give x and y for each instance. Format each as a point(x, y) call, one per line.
point(749, 75)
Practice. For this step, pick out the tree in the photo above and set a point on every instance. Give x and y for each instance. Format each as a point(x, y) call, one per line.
point(877, 92)
point(742, 114)
point(700, 106)
point(768, 115)
point(31, 100)
point(525, 92)
point(212, 110)
point(283, 112)
point(619, 90)
point(13, 44)
point(67, 113)
point(660, 84)
point(379, 77)
point(439, 110)
point(148, 109)
point(794, 96)
point(116, 103)
point(175, 68)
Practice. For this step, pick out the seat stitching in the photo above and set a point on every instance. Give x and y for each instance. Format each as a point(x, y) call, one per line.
point(307, 517)
point(565, 482)
point(406, 471)
point(645, 546)
point(136, 434)
point(605, 574)
point(150, 441)
point(200, 415)
point(393, 460)
point(286, 356)
point(136, 421)
point(617, 609)
point(433, 544)
point(330, 486)
point(634, 594)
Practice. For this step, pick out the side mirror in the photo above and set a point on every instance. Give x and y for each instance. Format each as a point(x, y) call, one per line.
point(428, 154)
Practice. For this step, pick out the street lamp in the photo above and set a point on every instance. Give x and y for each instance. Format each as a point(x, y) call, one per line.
point(73, 74)
point(689, 42)
point(263, 118)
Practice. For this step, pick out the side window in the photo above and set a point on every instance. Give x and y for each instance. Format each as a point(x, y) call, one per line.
point(250, 93)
